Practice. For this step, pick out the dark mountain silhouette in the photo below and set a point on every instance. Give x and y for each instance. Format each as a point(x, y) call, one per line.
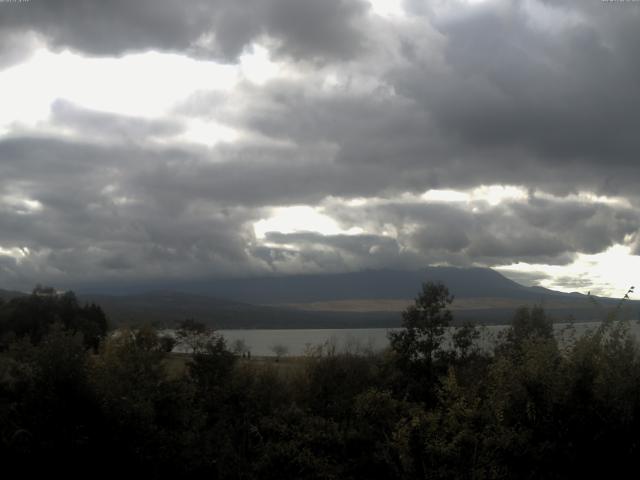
point(362, 299)
point(9, 294)
point(373, 284)
point(166, 308)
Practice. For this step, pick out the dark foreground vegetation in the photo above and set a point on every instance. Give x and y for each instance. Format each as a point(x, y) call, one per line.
point(77, 401)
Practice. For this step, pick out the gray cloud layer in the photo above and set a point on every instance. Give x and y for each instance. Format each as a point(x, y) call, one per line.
point(217, 29)
point(543, 95)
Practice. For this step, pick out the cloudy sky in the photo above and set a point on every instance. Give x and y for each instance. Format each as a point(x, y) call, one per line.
point(154, 139)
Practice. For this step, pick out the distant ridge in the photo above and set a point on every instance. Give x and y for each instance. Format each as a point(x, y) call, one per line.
point(9, 294)
point(374, 284)
point(371, 298)
point(165, 308)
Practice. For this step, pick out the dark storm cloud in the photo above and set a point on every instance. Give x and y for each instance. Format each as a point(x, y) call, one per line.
point(352, 244)
point(342, 252)
point(564, 95)
point(533, 231)
point(93, 220)
point(15, 47)
point(496, 235)
point(303, 29)
point(180, 208)
point(539, 95)
point(388, 144)
point(588, 228)
point(271, 255)
point(449, 237)
point(511, 100)
point(110, 28)
point(317, 29)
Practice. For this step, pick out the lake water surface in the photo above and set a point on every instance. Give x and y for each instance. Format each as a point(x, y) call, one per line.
point(300, 341)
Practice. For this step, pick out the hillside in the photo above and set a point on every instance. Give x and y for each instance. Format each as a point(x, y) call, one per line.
point(9, 294)
point(372, 284)
point(361, 299)
point(355, 300)
point(165, 308)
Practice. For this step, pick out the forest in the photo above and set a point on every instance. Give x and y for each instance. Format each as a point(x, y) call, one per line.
point(77, 398)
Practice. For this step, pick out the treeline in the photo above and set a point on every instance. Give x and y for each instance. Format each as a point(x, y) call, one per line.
point(528, 409)
point(32, 317)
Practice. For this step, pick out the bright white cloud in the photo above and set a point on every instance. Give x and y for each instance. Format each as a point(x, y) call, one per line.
point(387, 8)
point(208, 133)
point(21, 204)
point(496, 194)
point(256, 65)
point(14, 252)
point(609, 273)
point(299, 219)
point(445, 196)
point(143, 85)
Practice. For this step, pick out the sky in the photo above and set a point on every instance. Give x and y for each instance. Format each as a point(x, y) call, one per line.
point(173, 141)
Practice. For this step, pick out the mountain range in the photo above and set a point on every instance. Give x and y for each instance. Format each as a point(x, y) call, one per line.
point(360, 299)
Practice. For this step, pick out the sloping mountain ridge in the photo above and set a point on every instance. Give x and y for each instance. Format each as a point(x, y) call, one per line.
point(166, 308)
point(9, 294)
point(360, 299)
point(372, 284)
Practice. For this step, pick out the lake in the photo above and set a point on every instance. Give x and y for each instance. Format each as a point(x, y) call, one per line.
point(299, 341)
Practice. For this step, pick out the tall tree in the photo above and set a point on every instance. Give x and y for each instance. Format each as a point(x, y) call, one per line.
point(418, 346)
